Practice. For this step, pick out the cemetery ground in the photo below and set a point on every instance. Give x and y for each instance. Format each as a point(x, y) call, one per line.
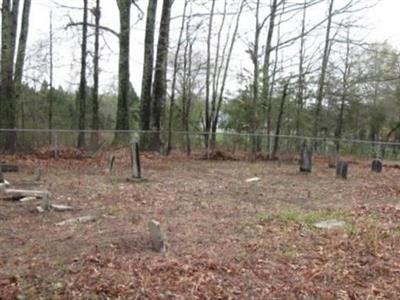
point(227, 238)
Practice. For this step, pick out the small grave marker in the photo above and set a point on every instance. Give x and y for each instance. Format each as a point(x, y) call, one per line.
point(156, 236)
point(305, 158)
point(135, 161)
point(376, 166)
point(342, 169)
point(332, 156)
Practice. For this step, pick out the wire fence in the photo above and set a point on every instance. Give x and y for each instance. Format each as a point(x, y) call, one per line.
point(267, 146)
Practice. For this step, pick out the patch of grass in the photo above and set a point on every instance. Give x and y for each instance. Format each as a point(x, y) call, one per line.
point(289, 253)
point(288, 216)
point(112, 210)
point(351, 229)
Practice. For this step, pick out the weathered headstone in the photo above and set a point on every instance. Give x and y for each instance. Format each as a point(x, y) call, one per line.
point(111, 160)
point(332, 156)
point(342, 168)
point(305, 158)
point(135, 161)
point(156, 236)
point(376, 166)
point(46, 201)
point(38, 175)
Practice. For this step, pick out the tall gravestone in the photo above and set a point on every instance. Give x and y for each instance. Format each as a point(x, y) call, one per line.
point(305, 158)
point(332, 156)
point(342, 169)
point(1, 176)
point(376, 166)
point(135, 161)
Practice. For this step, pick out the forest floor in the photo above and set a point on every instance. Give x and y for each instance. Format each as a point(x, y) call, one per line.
point(226, 238)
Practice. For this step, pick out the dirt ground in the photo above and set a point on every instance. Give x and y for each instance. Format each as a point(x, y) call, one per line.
point(226, 238)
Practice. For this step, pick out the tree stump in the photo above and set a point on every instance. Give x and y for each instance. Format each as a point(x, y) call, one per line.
point(376, 166)
point(305, 158)
point(341, 169)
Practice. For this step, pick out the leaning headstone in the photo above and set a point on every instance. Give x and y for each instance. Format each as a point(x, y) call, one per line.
point(156, 236)
point(332, 156)
point(341, 169)
point(305, 158)
point(376, 166)
point(135, 161)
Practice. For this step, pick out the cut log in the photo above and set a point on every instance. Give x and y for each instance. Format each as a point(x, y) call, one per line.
point(18, 194)
point(60, 208)
point(27, 199)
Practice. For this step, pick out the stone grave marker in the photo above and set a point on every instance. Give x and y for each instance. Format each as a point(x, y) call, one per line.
point(156, 236)
point(342, 169)
point(135, 161)
point(332, 156)
point(376, 166)
point(305, 158)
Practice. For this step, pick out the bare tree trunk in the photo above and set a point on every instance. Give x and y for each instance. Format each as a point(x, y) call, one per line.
point(122, 122)
point(255, 54)
point(345, 86)
point(82, 84)
point(173, 87)
point(207, 115)
point(267, 61)
point(279, 120)
point(21, 52)
point(217, 74)
point(95, 97)
point(321, 81)
point(189, 96)
point(226, 70)
point(50, 95)
point(160, 76)
point(300, 82)
point(146, 100)
point(8, 41)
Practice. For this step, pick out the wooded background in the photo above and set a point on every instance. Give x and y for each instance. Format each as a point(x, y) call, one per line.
point(310, 70)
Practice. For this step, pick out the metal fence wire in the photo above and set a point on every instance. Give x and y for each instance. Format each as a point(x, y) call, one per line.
point(28, 140)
